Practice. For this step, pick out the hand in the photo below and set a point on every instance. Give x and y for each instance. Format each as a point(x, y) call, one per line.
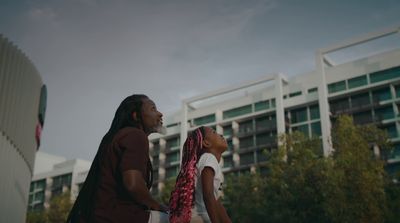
point(163, 208)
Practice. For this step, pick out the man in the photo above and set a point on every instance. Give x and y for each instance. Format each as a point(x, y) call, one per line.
point(117, 186)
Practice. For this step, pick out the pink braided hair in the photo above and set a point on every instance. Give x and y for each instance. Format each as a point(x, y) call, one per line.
point(182, 197)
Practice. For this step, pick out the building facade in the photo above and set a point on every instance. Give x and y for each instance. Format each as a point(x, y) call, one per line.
point(253, 114)
point(53, 176)
point(22, 114)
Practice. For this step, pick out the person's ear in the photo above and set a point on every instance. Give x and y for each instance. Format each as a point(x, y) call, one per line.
point(206, 143)
point(134, 116)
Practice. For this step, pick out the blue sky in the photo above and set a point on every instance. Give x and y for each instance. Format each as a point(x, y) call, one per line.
point(93, 53)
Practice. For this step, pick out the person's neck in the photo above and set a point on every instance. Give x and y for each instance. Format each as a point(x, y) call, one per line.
point(215, 153)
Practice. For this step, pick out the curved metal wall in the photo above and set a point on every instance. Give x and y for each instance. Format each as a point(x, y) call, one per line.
point(20, 88)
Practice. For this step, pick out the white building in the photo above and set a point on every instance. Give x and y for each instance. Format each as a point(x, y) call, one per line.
point(54, 175)
point(22, 111)
point(252, 114)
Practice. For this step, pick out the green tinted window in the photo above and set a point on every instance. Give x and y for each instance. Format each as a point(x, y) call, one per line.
point(261, 105)
point(381, 94)
point(301, 128)
point(228, 161)
point(312, 90)
point(385, 75)
point(228, 131)
point(299, 115)
point(360, 100)
point(246, 142)
point(294, 94)
point(357, 81)
point(314, 112)
point(316, 129)
point(173, 142)
point(273, 103)
point(173, 157)
point(384, 113)
point(391, 130)
point(237, 111)
point(397, 91)
point(336, 87)
point(204, 120)
point(172, 172)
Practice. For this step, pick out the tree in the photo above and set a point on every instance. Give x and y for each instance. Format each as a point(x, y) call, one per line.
point(165, 193)
point(300, 185)
point(57, 211)
point(59, 208)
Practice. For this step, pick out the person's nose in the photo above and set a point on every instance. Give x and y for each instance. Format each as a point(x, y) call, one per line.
point(160, 114)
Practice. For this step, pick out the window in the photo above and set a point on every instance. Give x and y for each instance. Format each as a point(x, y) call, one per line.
point(384, 113)
point(204, 120)
point(316, 129)
point(312, 90)
point(262, 139)
point(294, 94)
point(172, 172)
point(228, 131)
point(172, 142)
point(385, 75)
point(273, 103)
point(237, 111)
point(314, 112)
point(397, 88)
point(246, 127)
point(395, 152)
point(357, 81)
point(266, 122)
point(337, 86)
point(246, 158)
point(228, 161)
point(230, 144)
point(339, 106)
point(261, 105)
point(299, 115)
point(360, 100)
point(381, 94)
point(301, 128)
point(173, 157)
point(246, 142)
point(391, 130)
point(362, 118)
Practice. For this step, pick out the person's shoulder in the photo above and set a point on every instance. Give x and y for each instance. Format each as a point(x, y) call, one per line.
point(131, 133)
point(207, 158)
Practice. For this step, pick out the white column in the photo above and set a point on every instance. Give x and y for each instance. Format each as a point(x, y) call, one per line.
point(280, 112)
point(323, 105)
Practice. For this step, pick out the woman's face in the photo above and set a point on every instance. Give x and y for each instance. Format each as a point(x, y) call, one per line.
point(216, 141)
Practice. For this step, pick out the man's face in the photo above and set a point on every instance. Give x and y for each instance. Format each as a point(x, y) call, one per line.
point(152, 118)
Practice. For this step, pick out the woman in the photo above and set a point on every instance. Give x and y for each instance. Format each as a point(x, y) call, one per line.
point(196, 193)
point(117, 186)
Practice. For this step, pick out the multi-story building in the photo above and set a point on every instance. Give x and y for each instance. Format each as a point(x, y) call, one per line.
point(53, 176)
point(22, 114)
point(252, 115)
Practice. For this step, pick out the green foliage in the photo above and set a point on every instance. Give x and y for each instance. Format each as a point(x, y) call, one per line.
point(57, 212)
point(165, 193)
point(300, 185)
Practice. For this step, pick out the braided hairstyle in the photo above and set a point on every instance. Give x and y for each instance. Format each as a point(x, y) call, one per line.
point(182, 197)
point(84, 204)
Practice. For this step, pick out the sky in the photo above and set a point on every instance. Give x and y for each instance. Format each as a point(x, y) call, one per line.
point(91, 54)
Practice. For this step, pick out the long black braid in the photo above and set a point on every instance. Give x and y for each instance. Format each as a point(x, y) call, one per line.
point(85, 201)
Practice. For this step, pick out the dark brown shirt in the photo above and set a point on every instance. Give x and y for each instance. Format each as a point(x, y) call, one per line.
point(129, 150)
